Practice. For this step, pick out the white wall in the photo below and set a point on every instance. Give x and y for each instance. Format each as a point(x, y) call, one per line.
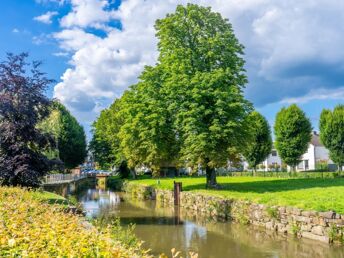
point(310, 156)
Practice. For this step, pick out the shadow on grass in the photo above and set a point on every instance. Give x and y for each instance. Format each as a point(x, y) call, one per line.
point(272, 186)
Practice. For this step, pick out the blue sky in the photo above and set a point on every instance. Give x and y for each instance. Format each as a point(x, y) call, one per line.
point(95, 49)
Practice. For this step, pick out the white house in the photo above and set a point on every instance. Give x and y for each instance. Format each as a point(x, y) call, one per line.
point(315, 154)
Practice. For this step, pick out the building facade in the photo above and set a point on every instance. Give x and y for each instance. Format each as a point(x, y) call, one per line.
point(315, 156)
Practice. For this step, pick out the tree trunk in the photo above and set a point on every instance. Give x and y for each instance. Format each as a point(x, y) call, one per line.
point(211, 177)
point(339, 169)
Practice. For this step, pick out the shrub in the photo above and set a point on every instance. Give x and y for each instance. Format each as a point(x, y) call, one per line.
point(29, 227)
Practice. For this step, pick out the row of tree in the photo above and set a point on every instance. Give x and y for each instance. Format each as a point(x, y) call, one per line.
point(189, 110)
point(37, 135)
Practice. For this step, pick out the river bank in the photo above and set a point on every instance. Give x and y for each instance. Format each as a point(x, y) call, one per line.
point(324, 226)
point(36, 223)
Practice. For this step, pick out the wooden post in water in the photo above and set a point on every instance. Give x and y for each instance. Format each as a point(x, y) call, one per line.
point(177, 190)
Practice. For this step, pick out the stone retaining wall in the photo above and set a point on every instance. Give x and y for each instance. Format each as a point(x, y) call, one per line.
point(326, 227)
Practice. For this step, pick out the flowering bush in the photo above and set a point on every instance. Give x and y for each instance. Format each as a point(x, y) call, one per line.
point(30, 227)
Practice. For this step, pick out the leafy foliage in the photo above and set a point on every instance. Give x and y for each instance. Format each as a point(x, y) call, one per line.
point(260, 144)
point(147, 135)
point(29, 227)
point(189, 108)
point(293, 134)
point(204, 78)
point(332, 133)
point(68, 133)
point(105, 144)
point(22, 106)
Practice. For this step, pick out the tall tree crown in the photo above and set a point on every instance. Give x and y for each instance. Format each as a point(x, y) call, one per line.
point(293, 134)
point(260, 144)
point(331, 126)
point(22, 106)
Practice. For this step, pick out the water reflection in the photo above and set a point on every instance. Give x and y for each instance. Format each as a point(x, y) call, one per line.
point(97, 202)
point(163, 228)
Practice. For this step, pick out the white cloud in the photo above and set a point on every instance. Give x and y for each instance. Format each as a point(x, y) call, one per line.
point(318, 94)
point(293, 47)
point(75, 39)
point(15, 30)
point(60, 2)
point(46, 18)
point(61, 54)
point(88, 13)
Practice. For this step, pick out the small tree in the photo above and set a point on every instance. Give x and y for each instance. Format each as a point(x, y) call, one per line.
point(22, 106)
point(332, 133)
point(260, 144)
point(293, 134)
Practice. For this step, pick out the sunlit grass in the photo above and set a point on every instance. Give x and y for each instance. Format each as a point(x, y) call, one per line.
point(310, 194)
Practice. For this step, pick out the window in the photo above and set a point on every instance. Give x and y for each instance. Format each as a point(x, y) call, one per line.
point(306, 164)
point(274, 153)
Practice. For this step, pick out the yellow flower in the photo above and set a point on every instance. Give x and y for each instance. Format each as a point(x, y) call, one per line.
point(11, 242)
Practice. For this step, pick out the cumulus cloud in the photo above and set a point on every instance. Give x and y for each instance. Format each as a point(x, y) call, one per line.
point(293, 49)
point(46, 18)
point(318, 94)
point(88, 13)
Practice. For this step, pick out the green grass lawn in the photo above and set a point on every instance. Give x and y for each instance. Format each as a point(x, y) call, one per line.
point(309, 194)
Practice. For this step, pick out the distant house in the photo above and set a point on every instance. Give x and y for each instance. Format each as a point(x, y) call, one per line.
point(316, 154)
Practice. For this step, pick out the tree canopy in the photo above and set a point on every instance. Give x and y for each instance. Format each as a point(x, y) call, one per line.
point(105, 144)
point(188, 109)
point(22, 106)
point(71, 146)
point(332, 133)
point(260, 144)
point(293, 134)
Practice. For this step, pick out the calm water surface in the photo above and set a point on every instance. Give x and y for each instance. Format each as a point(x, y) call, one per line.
point(165, 228)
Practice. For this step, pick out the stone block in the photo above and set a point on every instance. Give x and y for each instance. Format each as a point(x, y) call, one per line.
point(310, 235)
point(289, 210)
point(327, 214)
point(318, 230)
point(302, 219)
point(306, 227)
point(270, 225)
point(281, 210)
point(296, 211)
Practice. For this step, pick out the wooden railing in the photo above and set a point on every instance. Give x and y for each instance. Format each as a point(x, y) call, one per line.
point(61, 178)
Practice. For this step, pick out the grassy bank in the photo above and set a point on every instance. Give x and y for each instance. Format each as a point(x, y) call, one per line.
point(307, 193)
point(33, 223)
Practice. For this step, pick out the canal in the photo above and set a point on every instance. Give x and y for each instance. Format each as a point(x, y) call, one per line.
point(162, 228)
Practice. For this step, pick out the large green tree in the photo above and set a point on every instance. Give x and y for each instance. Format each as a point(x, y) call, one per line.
point(69, 135)
point(204, 77)
point(260, 143)
point(147, 136)
point(188, 109)
point(331, 127)
point(292, 134)
point(105, 144)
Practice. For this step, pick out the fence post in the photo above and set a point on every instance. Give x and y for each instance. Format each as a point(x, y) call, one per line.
point(177, 190)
